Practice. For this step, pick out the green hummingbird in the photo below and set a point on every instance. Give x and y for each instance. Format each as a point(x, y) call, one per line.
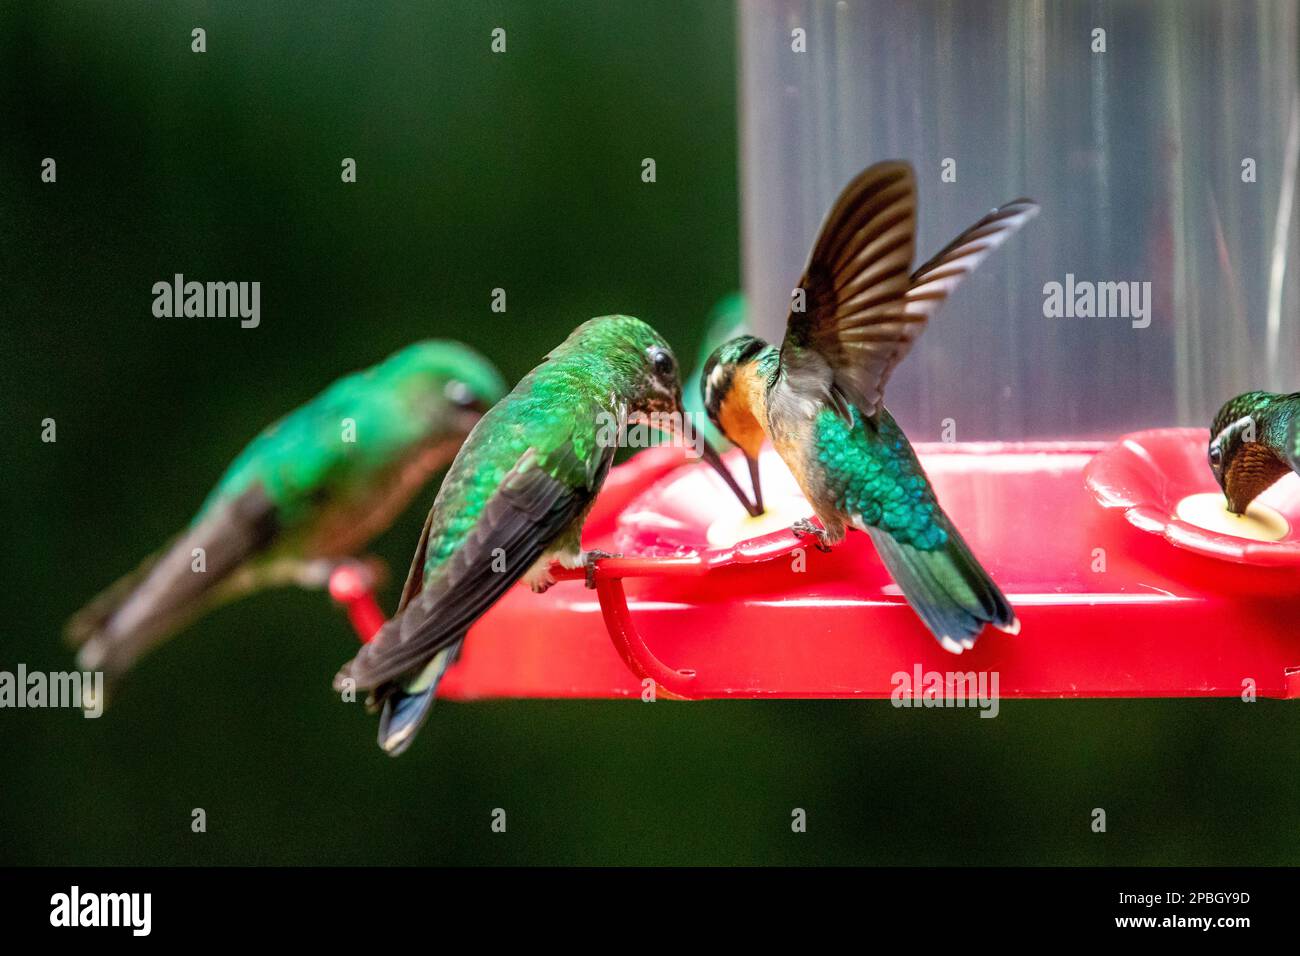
point(513, 501)
point(855, 314)
point(307, 493)
point(1254, 441)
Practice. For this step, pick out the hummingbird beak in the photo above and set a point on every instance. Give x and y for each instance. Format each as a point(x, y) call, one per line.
point(709, 454)
point(467, 418)
point(1238, 503)
point(756, 485)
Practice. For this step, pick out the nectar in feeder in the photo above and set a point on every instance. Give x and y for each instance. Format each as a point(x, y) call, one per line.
point(1209, 510)
point(736, 526)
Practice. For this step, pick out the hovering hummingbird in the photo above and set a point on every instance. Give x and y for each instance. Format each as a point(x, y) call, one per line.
point(818, 397)
point(1254, 441)
point(513, 501)
point(307, 493)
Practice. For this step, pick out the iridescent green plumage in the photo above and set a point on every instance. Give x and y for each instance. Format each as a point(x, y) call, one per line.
point(355, 432)
point(311, 489)
point(513, 501)
point(872, 474)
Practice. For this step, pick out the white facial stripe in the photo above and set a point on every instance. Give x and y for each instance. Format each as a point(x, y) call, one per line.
point(1233, 426)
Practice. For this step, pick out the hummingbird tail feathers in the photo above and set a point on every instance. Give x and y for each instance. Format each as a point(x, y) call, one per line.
point(948, 588)
point(122, 622)
point(405, 708)
point(172, 587)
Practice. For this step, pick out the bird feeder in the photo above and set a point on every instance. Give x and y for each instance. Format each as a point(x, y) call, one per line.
point(1107, 607)
point(1159, 279)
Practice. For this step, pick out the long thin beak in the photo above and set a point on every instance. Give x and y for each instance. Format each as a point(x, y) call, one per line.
point(709, 454)
point(756, 485)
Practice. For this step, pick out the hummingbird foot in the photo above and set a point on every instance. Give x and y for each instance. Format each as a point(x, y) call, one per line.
point(539, 577)
point(589, 560)
point(805, 527)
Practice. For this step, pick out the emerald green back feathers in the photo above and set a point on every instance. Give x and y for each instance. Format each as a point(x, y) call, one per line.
point(362, 425)
point(555, 410)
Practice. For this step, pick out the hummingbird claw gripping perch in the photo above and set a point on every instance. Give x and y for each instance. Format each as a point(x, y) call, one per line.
point(672, 682)
point(589, 561)
point(805, 527)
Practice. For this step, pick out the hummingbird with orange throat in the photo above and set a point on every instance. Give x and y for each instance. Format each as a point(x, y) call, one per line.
point(818, 397)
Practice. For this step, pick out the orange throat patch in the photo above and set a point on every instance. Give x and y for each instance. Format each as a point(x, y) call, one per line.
point(739, 412)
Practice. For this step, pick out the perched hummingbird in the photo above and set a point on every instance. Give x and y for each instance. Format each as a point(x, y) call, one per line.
point(304, 495)
point(1254, 441)
point(818, 397)
point(513, 501)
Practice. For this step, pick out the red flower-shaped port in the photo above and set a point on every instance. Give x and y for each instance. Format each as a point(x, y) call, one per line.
point(1152, 474)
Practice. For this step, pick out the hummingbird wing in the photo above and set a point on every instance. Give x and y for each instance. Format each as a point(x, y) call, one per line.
point(297, 487)
point(854, 316)
point(862, 311)
point(933, 282)
point(415, 576)
point(539, 498)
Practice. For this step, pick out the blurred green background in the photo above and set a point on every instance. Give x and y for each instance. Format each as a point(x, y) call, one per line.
point(476, 171)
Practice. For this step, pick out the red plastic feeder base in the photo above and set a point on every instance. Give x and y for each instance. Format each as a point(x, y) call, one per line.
point(1107, 609)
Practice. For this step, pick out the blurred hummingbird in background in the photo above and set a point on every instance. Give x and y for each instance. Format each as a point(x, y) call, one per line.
point(1254, 441)
point(818, 397)
point(305, 495)
point(726, 320)
point(513, 501)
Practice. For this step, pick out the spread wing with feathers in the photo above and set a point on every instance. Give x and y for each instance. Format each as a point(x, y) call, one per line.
point(863, 306)
point(933, 282)
point(855, 285)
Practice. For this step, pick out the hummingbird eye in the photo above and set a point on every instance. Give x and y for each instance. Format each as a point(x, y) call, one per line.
point(662, 361)
point(1216, 456)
